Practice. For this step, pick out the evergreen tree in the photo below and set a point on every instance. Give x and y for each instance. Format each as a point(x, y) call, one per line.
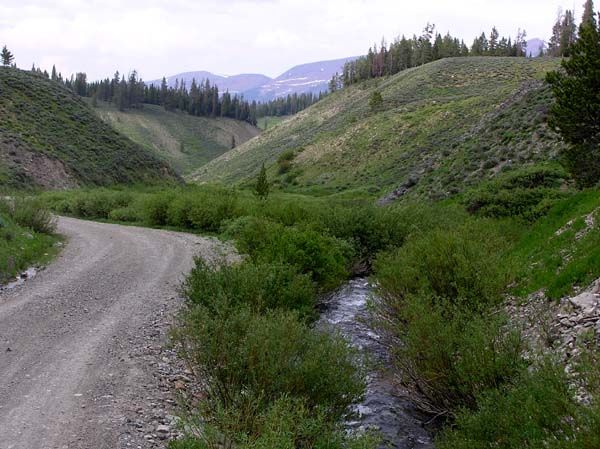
point(261, 189)
point(54, 76)
point(7, 57)
point(375, 101)
point(568, 34)
point(576, 113)
point(493, 42)
point(588, 13)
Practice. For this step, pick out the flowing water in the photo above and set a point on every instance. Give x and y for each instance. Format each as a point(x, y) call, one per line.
point(400, 424)
point(21, 278)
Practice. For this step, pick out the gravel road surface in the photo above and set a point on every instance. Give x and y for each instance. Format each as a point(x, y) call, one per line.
point(81, 358)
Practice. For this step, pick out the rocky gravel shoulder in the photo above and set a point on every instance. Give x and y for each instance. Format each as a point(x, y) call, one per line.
point(84, 355)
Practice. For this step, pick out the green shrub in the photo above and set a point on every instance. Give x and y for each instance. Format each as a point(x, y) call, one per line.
point(156, 207)
point(247, 361)
point(325, 258)
point(455, 266)
point(436, 295)
point(260, 286)
point(534, 413)
point(32, 213)
point(285, 161)
point(20, 247)
point(128, 214)
point(209, 211)
point(446, 360)
point(287, 424)
point(528, 193)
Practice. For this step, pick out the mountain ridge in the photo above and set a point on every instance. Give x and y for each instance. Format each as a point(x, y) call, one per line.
point(303, 78)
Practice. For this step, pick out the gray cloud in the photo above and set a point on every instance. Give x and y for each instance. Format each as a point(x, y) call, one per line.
point(233, 36)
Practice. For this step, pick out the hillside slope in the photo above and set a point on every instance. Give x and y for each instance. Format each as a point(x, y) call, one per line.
point(440, 128)
point(50, 138)
point(185, 141)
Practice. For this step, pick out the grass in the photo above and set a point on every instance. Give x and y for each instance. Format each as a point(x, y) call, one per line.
point(265, 123)
point(561, 252)
point(184, 141)
point(448, 124)
point(26, 237)
point(48, 136)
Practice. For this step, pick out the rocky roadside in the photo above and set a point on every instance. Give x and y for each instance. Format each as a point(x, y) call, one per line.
point(561, 328)
point(152, 421)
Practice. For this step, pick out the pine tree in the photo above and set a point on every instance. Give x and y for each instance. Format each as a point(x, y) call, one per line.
point(493, 42)
point(576, 112)
point(568, 34)
point(54, 76)
point(554, 43)
point(7, 57)
point(588, 13)
point(375, 101)
point(262, 184)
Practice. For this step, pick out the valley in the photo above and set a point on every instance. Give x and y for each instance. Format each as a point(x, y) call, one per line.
point(395, 250)
point(184, 142)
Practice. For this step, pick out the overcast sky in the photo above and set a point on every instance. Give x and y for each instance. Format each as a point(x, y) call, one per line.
point(159, 37)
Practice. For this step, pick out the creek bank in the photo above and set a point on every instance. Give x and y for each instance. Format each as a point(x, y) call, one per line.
point(398, 421)
point(561, 328)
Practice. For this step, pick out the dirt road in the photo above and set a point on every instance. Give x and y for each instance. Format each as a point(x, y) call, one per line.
point(76, 341)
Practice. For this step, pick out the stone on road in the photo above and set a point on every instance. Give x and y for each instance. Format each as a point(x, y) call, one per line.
point(71, 338)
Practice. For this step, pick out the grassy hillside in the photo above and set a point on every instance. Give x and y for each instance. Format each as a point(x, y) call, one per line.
point(185, 141)
point(50, 138)
point(440, 128)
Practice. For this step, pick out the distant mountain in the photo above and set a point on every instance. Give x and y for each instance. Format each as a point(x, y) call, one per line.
point(313, 77)
point(534, 46)
point(234, 84)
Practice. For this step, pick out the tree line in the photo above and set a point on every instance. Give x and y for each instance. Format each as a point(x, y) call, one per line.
point(565, 32)
point(405, 53)
point(201, 99)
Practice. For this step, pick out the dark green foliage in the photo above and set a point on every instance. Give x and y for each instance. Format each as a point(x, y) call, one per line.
point(528, 193)
point(375, 101)
point(532, 414)
point(285, 161)
point(31, 213)
point(7, 57)
point(287, 424)
point(22, 245)
point(325, 259)
point(576, 113)
point(564, 35)
point(245, 357)
point(435, 296)
point(262, 184)
point(247, 362)
point(457, 267)
point(38, 115)
point(260, 286)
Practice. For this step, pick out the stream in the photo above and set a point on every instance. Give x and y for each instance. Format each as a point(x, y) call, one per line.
point(397, 420)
